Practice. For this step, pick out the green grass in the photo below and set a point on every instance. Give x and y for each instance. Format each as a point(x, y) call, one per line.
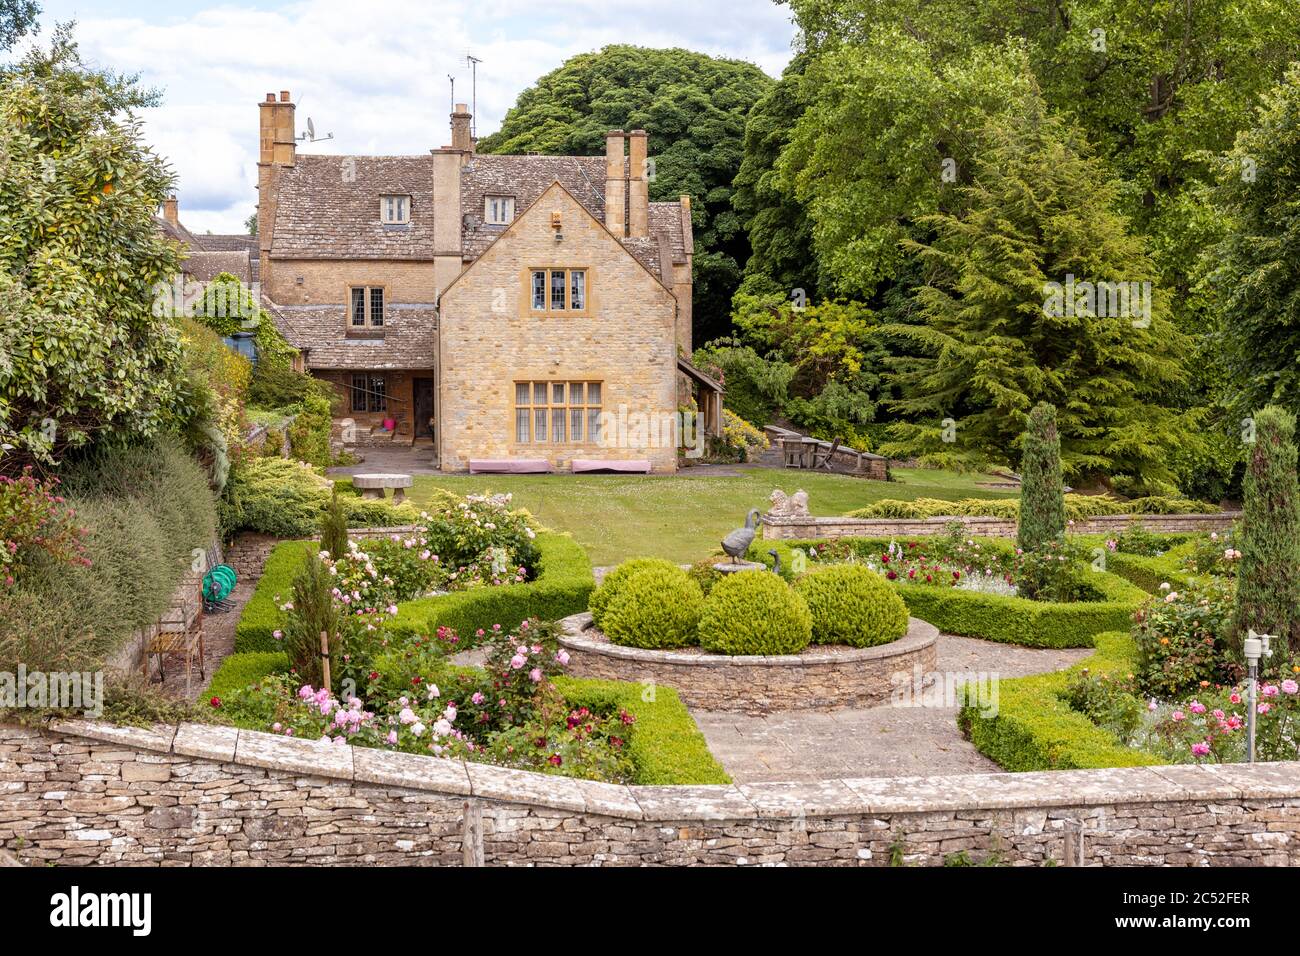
point(684, 517)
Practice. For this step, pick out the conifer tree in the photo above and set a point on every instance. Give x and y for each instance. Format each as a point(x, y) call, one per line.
point(1042, 492)
point(1268, 576)
point(1022, 303)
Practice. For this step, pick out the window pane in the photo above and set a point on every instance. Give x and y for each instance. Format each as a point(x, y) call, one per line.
point(539, 425)
point(521, 393)
point(575, 420)
point(376, 306)
point(577, 289)
point(539, 393)
point(521, 426)
point(557, 424)
point(539, 290)
point(378, 396)
point(593, 425)
point(358, 306)
point(576, 392)
point(358, 393)
point(593, 393)
point(557, 393)
point(557, 290)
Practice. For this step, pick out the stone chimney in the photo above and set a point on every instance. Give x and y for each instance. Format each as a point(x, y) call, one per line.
point(460, 134)
point(615, 183)
point(278, 150)
point(638, 192)
point(170, 211)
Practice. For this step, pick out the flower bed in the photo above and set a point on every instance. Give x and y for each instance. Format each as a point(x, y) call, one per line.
point(663, 746)
point(1108, 601)
point(561, 587)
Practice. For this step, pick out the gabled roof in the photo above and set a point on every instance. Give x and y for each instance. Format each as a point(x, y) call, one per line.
point(525, 178)
point(204, 266)
point(632, 245)
point(409, 339)
point(328, 208)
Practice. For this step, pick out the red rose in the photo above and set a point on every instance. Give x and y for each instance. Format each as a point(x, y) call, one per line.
point(555, 760)
point(215, 702)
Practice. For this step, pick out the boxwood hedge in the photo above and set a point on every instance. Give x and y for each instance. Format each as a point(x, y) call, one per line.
point(1012, 620)
point(563, 585)
point(1034, 729)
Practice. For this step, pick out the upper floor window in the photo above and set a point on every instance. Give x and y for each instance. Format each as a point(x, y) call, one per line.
point(367, 307)
point(498, 210)
point(395, 210)
point(558, 290)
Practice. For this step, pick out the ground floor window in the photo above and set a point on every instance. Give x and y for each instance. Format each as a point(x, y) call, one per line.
point(557, 412)
point(369, 393)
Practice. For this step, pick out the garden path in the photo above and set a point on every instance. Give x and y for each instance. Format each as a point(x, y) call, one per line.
point(883, 741)
point(218, 644)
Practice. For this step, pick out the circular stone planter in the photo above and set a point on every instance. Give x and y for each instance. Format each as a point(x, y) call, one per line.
point(822, 677)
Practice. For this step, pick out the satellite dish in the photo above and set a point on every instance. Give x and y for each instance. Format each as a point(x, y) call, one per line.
point(310, 136)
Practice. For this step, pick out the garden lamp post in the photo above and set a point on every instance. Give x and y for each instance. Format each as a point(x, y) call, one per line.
point(1254, 647)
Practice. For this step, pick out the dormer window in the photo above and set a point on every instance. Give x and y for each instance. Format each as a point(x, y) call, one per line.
point(395, 210)
point(498, 210)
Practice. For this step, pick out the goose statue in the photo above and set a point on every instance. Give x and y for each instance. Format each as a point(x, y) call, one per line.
point(738, 542)
point(776, 562)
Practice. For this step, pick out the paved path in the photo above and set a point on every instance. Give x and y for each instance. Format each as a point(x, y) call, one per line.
point(883, 741)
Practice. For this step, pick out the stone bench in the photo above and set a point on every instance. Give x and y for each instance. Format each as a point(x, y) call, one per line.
point(373, 486)
point(637, 466)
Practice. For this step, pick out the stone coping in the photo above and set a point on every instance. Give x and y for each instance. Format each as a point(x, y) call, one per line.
point(808, 527)
point(576, 634)
point(777, 800)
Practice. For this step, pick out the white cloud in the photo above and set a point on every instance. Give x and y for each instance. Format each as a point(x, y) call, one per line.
point(373, 72)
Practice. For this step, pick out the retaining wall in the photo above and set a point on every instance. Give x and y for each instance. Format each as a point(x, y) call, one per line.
point(92, 793)
point(805, 527)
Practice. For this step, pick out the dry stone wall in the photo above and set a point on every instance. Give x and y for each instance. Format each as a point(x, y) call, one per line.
point(92, 793)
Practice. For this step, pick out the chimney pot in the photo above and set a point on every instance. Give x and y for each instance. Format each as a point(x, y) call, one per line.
point(270, 97)
point(284, 96)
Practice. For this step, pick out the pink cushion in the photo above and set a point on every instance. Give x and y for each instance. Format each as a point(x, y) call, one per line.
point(510, 466)
point(636, 465)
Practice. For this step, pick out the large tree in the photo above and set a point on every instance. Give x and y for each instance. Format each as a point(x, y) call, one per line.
point(694, 108)
point(17, 20)
point(1255, 270)
point(997, 336)
point(84, 354)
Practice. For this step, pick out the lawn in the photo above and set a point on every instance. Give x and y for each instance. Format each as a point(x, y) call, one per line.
point(683, 517)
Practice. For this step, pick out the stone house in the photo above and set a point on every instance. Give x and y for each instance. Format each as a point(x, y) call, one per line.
point(509, 312)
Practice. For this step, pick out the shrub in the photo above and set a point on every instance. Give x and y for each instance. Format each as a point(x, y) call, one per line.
point(1268, 578)
point(705, 574)
point(853, 605)
point(655, 607)
point(1183, 639)
point(34, 517)
point(309, 434)
point(238, 671)
point(287, 498)
point(146, 510)
point(614, 581)
point(1077, 507)
point(277, 387)
point(1042, 501)
point(754, 612)
point(483, 537)
point(334, 527)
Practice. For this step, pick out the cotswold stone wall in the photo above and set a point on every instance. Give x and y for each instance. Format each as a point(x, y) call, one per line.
point(92, 793)
point(805, 527)
point(821, 678)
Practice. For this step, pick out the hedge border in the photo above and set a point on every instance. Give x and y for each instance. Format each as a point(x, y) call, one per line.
point(1034, 729)
point(1009, 620)
point(665, 744)
point(562, 587)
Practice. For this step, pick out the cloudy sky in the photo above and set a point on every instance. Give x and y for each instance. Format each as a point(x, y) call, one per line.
point(373, 72)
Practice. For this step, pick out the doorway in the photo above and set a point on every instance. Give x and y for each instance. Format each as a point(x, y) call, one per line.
point(423, 407)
